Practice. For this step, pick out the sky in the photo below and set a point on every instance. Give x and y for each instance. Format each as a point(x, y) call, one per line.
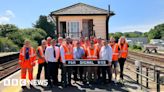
point(131, 15)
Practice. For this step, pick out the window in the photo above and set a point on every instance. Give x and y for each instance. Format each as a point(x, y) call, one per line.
point(73, 29)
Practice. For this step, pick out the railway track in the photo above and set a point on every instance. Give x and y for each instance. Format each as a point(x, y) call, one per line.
point(150, 58)
point(8, 65)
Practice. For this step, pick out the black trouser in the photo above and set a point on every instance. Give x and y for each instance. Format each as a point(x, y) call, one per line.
point(99, 72)
point(121, 62)
point(66, 75)
point(76, 69)
point(40, 66)
point(106, 70)
point(52, 72)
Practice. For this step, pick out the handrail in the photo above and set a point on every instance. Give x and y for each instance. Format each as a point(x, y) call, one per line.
point(139, 71)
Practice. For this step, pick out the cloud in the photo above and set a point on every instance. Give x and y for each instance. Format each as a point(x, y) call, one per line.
point(6, 17)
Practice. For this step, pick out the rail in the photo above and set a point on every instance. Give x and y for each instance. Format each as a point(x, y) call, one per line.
point(7, 58)
point(8, 65)
point(139, 73)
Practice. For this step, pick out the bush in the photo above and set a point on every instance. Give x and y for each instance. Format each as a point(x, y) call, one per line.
point(6, 45)
point(136, 47)
point(12, 38)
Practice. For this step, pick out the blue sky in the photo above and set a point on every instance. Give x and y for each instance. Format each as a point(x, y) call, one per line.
point(131, 15)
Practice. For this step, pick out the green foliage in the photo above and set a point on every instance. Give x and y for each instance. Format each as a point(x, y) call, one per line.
point(7, 45)
point(135, 47)
point(135, 34)
point(35, 34)
point(7, 29)
point(116, 35)
point(48, 27)
point(12, 38)
point(157, 32)
point(17, 37)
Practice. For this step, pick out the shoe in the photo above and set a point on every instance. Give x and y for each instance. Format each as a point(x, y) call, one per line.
point(23, 87)
point(31, 86)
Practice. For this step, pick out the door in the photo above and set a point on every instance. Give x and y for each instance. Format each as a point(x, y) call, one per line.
point(62, 29)
point(87, 25)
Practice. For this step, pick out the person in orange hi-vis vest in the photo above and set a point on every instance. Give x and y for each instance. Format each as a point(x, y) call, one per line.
point(115, 55)
point(26, 60)
point(98, 44)
point(66, 52)
point(123, 45)
point(85, 46)
point(82, 41)
point(49, 41)
point(92, 54)
point(95, 40)
point(41, 59)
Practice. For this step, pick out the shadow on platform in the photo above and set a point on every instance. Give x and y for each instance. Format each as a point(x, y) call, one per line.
point(80, 88)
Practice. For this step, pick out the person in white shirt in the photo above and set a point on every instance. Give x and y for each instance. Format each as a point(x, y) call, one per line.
point(52, 55)
point(66, 52)
point(106, 54)
point(78, 53)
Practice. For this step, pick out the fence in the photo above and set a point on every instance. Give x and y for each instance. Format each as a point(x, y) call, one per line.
point(157, 72)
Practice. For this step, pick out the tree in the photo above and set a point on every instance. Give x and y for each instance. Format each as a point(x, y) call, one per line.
point(117, 35)
point(157, 32)
point(35, 35)
point(48, 27)
point(6, 29)
point(17, 37)
point(7, 45)
point(145, 34)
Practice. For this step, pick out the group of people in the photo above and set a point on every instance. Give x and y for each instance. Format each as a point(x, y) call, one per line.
point(52, 55)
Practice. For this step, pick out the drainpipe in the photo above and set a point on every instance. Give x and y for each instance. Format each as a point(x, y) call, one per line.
point(107, 20)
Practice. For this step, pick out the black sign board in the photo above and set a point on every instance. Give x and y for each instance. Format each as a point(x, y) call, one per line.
point(86, 62)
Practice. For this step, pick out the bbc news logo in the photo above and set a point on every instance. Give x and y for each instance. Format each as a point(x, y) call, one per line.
point(24, 82)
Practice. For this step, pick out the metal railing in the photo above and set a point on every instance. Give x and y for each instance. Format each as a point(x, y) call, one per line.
point(73, 34)
point(157, 72)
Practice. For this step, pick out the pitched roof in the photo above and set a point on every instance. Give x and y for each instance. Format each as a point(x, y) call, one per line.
point(80, 8)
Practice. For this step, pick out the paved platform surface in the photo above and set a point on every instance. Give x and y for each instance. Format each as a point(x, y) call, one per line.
point(129, 86)
point(6, 53)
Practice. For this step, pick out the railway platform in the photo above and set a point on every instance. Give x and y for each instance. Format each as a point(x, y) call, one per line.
point(128, 86)
point(7, 53)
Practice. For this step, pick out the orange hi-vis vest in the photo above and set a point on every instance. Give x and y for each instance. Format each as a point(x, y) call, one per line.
point(98, 46)
point(32, 57)
point(92, 53)
point(68, 50)
point(84, 46)
point(124, 50)
point(41, 52)
point(115, 50)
